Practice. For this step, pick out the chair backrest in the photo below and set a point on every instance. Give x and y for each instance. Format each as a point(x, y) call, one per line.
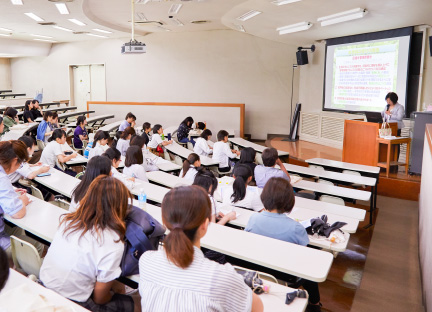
point(25, 256)
point(356, 173)
point(40, 145)
point(235, 147)
point(178, 160)
point(258, 158)
point(36, 192)
point(166, 155)
point(332, 200)
point(190, 146)
point(325, 182)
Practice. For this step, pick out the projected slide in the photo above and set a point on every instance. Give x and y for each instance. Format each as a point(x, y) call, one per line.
point(359, 75)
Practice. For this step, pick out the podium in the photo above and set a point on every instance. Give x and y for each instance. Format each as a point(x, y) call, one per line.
point(360, 143)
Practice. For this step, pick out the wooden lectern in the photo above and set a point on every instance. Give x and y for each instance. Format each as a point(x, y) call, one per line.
point(360, 142)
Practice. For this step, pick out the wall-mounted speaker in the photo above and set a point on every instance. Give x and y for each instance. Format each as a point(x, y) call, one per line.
point(302, 58)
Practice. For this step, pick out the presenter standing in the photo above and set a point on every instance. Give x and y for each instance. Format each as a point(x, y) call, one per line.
point(393, 112)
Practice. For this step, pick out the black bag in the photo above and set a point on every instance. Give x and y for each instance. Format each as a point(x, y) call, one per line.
point(143, 233)
point(322, 228)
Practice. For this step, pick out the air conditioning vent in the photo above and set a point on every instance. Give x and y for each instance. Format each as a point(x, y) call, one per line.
point(200, 22)
point(310, 124)
point(332, 128)
point(61, 0)
point(47, 23)
point(80, 32)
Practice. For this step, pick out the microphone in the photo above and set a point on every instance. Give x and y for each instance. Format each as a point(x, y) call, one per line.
point(388, 106)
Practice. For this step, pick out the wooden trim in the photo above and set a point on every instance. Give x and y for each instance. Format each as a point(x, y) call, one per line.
point(429, 136)
point(241, 106)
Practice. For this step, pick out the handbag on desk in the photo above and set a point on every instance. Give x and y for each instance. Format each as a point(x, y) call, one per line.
point(385, 130)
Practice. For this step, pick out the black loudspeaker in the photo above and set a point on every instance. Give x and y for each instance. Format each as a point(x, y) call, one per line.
point(430, 45)
point(302, 58)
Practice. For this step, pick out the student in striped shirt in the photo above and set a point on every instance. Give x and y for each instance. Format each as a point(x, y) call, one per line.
point(179, 277)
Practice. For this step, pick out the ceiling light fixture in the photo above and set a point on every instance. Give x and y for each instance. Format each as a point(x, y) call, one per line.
point(62, 8)
point(45, 40)
point(239, 27)
point(102, 31)
point(294, 28)
point(142, 1)
point(5, 35)
point(35, 17)
point(282, 2)
point(342, 17)
point(17, 2)
point(175, 8)
point(77, 22)
point(248, 15)
point(94, 35)
point(177, 22)
point(62, 28)
point(140, 17)
point(5, 29)
point(41, 36)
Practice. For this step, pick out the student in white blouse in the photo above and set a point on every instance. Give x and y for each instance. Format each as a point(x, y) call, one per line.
point(178, 277)
point(84, 258)
point(133, 164)
point(202, 146)
point(222, 153)
point(156, 139)
point(190, 166)
point(99, 144)
point(140, 142)
point(115, 157)
point(124, 140)
point(240, 194)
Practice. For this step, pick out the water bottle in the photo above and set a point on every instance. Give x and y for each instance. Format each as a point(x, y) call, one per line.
point(142, 199)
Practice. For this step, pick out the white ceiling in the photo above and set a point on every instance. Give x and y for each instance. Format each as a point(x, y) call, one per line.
point(114, 15)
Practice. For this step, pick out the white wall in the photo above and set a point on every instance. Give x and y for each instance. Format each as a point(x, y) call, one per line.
point(216, 66)
point(5, 74)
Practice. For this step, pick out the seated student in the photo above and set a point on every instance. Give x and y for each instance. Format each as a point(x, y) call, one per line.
point(4, 269)
point(240, 194)
point(12, 202)
point(115, 157)
point(36, 110)
point(10, 119)
point(27, 115)
point(206, 179)
point(201, 125)
point(84, 258)
point(265, 172)
point(124, 140)
point(183, 131)
point(190, 166)
point(44, 131)
point(202, 147)
point(128, 122)
point(96, 166)
point(178, 277)
point(247, 157)
point(140, 142)
point(156, 140)
point(54, 122)
point(278, 199)
point(146, 130)
point(53, 153)
point(100, 144)
point(133, 164)
point(80, 133)
point(222, 152)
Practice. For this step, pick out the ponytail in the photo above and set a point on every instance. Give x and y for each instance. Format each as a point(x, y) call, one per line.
point(184, 210)
point(241, 174)
point(192, 158)
point(112, 154)
point(57, 134)
point(100, 135)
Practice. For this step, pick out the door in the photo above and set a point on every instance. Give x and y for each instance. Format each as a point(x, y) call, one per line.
point(88, 84)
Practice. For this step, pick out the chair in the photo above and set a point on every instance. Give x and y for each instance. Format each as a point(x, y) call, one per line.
point(178, 160)
point(58, 199)
point(235, 147)
point(40, 145)
point(77, 149)
point(325, 182)
point(190, 146)
point(258, 158)
point(36, 192)
point(79, 175)
point(261, 275)
point(167, 155)
point(356, 173)
point(332, 200)
point(221, 174)
point(25, 256)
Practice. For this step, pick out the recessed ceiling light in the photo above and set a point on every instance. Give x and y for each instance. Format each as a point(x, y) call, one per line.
point(35, 17)
point(45, 40)
point(62, 28)
point(75, 21)
point(140, 16)
point(282, 2)
point(102, 31)
point(5, 35)
point(248, 15)
point(239, 27)
point(62, 8)
point(41, 36)
point(142, 1)
point(17, 2)
point(342, 17)
point(175, 8)
point(94, 35)
point(5, 29)
point(176, 21)
point(294, 28)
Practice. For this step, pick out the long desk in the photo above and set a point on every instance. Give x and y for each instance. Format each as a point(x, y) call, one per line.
point(184, 153)
point(48, 104)
point(162, 164)
point(92, 121)
point(5, 91)
point(16, 106)
point(53, 109)
point(17, 281)
point(64, 117)
point(112, 126)
point(13, 95)
point(171, 130)
point(59, 182)
point(259, 148)
point(166, 179)
point(18, 131)
point(78, 160)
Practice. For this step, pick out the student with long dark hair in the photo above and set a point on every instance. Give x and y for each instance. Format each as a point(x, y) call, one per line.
point(53, 154)
point(133, 164)
point(247, 157)
point(80, 133)
point(206, 179)
point(124, 140)
point(44, 130)
point(96, 166)
point(27, 115)
point(278, 199)
point(115, 157)
point(10, 119)
point(222, 153)
point(183, 130)
point(100, 144)
point(190, 166)
point(139, 141)
point(205, 285)
point(240, 194)
point(202, 146)
point(84, 258)
point(146, 130)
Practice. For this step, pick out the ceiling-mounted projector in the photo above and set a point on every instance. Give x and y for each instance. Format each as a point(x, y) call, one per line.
point(133, 46)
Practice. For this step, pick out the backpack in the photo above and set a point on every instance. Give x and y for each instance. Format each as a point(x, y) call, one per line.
point(143, 233)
